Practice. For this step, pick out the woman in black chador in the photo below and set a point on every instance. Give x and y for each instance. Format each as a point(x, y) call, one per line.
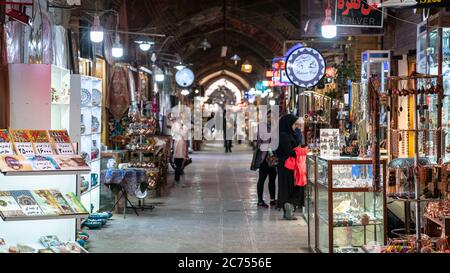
point(289, 195)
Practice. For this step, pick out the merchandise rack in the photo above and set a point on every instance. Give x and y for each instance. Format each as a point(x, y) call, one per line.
point(413, 83)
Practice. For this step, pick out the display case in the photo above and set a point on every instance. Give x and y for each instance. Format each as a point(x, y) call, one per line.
point(89, 135)
point(310, 200)
point(349, 212)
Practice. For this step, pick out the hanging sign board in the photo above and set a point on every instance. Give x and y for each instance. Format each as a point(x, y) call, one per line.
point(305, 67)
point(279, 72)
point(359, 13)
point(432, 3)
point(329, 143)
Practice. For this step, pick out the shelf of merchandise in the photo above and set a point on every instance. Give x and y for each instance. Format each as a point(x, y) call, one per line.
point(44, 217)
point(32, 173)
point(355, 189)
point(371, 223)
point(90, 198)
point(35, 110)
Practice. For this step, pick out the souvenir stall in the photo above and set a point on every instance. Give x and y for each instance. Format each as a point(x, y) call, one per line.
point(40, 148)
point(345, 199)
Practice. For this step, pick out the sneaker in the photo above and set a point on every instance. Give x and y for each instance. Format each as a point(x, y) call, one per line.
point(291, 218)
point(273, 203)
point(262, 204)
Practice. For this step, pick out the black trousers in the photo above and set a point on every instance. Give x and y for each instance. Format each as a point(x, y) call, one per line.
point(227, 145)
point(179, 165)
point(264, 171)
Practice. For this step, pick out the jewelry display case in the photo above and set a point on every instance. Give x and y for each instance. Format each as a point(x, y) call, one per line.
point(349, 212)
point(310, 200)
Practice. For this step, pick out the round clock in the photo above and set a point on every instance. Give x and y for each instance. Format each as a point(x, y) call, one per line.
point(305, 67)
point(185, 77)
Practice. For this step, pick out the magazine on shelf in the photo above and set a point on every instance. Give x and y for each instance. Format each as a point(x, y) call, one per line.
point(75, 203)
point(43, 163)
point(6, 147)
point(61, 141)
point(47, 202)
point(71, 162)
point(66, 209)
point(41, 142)
point(22, 142)
point(9, 206)
point(27, 203)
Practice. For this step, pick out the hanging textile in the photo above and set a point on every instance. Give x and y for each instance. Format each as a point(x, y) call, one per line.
point(119, 93)
point(60, 47)
point(14, 41)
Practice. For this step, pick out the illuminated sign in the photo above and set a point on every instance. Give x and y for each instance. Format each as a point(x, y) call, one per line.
point(279, 72)
point(357, 13)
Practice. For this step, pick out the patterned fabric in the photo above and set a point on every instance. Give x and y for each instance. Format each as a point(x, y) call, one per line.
point(129, 179)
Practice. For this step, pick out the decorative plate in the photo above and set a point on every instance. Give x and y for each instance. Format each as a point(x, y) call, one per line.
point(96, 97)
point(85, 97)
point(305, 67)
point(95, 125)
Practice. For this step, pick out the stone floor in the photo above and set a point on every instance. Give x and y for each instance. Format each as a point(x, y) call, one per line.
point(215, 213)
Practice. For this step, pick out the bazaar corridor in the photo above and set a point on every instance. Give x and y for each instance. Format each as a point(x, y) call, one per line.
point(216, 212)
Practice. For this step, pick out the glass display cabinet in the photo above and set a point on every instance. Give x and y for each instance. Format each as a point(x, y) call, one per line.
point(348, 212)
point(310, 192)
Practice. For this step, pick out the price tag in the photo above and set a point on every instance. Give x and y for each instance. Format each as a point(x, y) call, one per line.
point(6, 148)
point(43, 148)
point(65, 149)
point(25, 148)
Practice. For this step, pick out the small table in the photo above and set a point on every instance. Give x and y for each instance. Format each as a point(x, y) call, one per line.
point(125, 182)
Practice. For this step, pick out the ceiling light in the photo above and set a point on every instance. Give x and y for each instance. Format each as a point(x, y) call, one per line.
point(235, 58)
point(196, 91)
point(205, 44)
point(185, 92)
point(329, 29)
point(180, 66)
point(145, 43)
point(117, 50)
point(96, 31)
point(159, 77)
point(272, 102)
point(153, 58)
point(247, 67)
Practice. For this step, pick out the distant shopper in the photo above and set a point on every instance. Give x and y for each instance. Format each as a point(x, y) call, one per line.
point(289, 195)
point(180, 134)
point(266, 163)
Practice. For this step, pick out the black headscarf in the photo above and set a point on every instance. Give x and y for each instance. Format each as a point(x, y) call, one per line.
point(286, 123)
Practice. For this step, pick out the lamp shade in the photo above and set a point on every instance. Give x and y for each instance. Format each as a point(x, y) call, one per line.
point(247, 67)
point(117, 50)
point(96, 33)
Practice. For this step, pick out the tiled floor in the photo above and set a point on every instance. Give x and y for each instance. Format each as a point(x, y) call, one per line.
point(216, 213)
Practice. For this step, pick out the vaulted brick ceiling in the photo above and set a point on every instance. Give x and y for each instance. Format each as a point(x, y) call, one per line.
point(255, 29)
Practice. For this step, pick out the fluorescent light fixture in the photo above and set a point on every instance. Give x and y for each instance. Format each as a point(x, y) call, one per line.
point(223, 51)
point(205, 44)
point(329, 29)
point(117, 50)
point(96, 31)
point(235, 58)
point(180, 67)
point(145, 43)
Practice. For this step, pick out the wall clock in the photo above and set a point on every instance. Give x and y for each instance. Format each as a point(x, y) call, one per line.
point(185, 77)
point(305, 67)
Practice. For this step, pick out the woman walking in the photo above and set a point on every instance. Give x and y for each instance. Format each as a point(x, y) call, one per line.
point(266, 163)
point(289, 195)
